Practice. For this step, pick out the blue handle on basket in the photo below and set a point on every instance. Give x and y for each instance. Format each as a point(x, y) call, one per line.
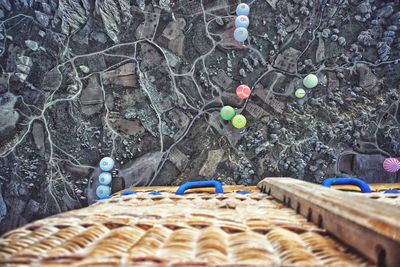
point(200, 184)
point(348, 181)
point(392, 191)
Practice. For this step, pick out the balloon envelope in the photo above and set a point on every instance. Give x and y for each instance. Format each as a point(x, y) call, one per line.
point(242, 9)
point(106, 164)
point(105, 178)
point(300, 93)
point(391, 165)
point(243, 91)
point(241, 34)
point(242, 21)
point(239, 121)
point(227, 113)
point(310, 81)
point(103, 191)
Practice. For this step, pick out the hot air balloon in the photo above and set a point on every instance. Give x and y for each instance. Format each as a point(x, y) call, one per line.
point(310, 81)
point(242, 21)
point(242, 10)
point(227, 113)
point(106, 164)
point(300, 93)
point(239, 121)
point(243, 91)
point(103, 191)
point(241, 34)
point(105, 178)
point(391, 165)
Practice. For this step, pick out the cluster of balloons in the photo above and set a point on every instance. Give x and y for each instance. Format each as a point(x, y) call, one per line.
point(242, 22)
point(105, 178)
point(391, 165)
point(228, 113)
point(310, 81)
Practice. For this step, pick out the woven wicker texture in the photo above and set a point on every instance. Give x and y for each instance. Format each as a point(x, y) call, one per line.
point(168, 230)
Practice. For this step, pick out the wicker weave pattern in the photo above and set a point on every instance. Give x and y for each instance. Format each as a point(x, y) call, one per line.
point(168, 230)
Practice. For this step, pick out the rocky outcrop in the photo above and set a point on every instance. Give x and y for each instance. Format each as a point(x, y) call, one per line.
point(210, 165)
point(8, 116)
point(113, 12)
point(73, 14)
point(6, 4)
point(3, 207)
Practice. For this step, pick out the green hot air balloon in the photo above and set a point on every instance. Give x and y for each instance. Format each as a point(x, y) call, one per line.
point(227, 113)
point(310, 81)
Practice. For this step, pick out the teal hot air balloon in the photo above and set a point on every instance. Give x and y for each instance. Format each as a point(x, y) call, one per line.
point(241, 34)
point(106, 164)
point(242, 21)
point(242, 9)
point(103, 191)
point(105, 178)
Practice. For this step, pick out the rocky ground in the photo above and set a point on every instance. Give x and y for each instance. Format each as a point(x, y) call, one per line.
point(143, 82)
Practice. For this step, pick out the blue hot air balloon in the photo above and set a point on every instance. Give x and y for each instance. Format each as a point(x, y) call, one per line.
point(241, 34)
point(106, 164)
point(103, 191)
point(242, 9)
point(242, 21)
point(105, 178)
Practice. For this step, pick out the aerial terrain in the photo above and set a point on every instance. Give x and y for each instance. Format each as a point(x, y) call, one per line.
point(143, 82)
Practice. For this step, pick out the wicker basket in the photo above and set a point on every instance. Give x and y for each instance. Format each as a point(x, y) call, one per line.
point(160, 228)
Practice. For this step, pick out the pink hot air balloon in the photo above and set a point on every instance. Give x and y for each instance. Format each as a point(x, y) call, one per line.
point(243, 91)
point(391, 165)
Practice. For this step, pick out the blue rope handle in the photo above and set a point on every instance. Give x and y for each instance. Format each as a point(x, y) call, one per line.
point(348, 181)
point(200, 184)
point(392, 191)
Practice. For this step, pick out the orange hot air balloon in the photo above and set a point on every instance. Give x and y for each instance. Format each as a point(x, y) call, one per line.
point(243, 91)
